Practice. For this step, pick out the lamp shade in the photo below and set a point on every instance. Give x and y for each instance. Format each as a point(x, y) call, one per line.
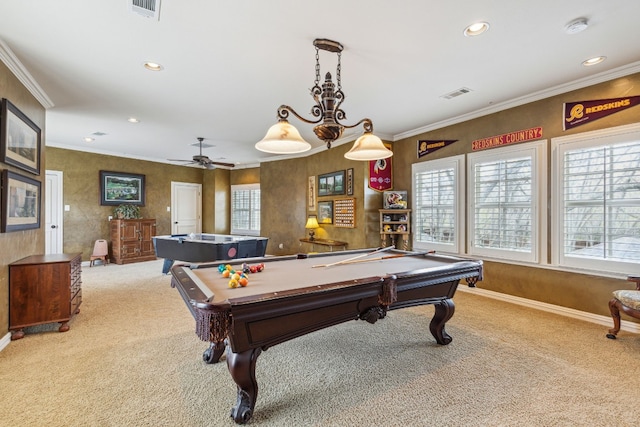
point(368, 147)
point(283, 138)
point(312, 222)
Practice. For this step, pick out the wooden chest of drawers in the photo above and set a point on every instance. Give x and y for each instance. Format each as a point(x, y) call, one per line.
point(44, 289)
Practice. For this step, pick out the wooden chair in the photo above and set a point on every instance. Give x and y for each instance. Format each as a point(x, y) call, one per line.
point(627, 301)
point(101, 252)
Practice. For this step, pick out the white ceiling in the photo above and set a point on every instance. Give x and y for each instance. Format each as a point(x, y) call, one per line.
point(228, 65)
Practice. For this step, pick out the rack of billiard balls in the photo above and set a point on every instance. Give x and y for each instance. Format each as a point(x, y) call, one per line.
point(239, 278)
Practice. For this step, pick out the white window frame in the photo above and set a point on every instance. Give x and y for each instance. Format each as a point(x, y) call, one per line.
point(457, 163)
point(242, 231)
point(560, 145)
point(537, 150)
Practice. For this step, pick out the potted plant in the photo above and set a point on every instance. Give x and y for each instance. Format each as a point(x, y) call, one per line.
point(126, 212)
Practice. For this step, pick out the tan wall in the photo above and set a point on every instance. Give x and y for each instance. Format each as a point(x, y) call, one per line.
point(87, 220)
point(19, 244)
point(283, 185)
point(579, 291)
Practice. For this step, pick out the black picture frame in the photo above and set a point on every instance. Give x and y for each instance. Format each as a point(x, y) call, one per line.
point(20, 139)
point(331, 184)
point(21, 202)
point(350, 182)
point(120, 188)
point(325, 212)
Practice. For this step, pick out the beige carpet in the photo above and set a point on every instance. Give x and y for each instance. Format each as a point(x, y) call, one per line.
point(131, 358)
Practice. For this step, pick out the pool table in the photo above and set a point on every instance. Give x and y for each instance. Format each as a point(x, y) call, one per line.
point(299, 294)
point(204, 247)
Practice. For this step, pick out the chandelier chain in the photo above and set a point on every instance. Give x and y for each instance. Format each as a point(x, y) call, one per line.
point(338, 69)
point(317, 80)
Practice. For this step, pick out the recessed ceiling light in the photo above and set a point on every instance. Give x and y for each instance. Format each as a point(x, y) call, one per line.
point(593, 61)
point(476, 29)
point(153, 66)
point(88, 139)
point(133, 120)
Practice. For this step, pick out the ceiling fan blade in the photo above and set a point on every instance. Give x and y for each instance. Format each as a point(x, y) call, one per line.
point(181, 160)
point(228, 165)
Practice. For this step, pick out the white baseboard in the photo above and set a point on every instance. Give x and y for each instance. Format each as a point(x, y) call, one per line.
point(625, 325)
point(5, 340)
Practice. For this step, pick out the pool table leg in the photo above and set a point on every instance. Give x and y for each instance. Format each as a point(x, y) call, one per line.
point(214, 352)
point(242, 367)
point(444, 312)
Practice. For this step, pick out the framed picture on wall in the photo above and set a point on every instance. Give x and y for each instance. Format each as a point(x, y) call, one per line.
point(20, 202)
point(331, 184)
point(19, 139)
point(118, 188)
point(325, 212)
point(311, 205)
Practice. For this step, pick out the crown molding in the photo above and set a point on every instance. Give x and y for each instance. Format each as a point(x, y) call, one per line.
point(15, 66)
point(536, 96)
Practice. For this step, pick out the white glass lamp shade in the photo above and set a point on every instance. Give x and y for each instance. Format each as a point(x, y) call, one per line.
point(283, 138)
point(368, 147)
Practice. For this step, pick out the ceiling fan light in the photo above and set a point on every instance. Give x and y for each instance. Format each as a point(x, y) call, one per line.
point(283, 138)
point(368, 147)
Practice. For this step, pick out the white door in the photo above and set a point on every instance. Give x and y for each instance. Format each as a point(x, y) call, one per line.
point(53, 212)
point(186, 208)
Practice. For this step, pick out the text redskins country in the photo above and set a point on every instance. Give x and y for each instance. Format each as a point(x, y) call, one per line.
point(507, 138)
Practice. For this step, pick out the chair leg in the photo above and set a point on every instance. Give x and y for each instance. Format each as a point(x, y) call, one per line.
point(614, 308)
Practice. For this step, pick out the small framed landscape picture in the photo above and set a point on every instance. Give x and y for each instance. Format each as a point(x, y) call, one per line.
point(117, 188)
point(20, 139)
point(20, 202)
point(331, 184)
point(325, 212)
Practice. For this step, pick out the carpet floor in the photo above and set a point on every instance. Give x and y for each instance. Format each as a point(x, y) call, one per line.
point(131, 358)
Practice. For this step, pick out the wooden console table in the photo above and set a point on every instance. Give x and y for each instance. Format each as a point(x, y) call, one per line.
point(325, 242)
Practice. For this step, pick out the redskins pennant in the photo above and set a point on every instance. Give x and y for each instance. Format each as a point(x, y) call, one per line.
point(427, 146)
point(579, 113)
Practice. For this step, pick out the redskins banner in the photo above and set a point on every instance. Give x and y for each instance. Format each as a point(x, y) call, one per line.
point(507, 138)
point(429, 146)
point(579, 113)
point(381, 174)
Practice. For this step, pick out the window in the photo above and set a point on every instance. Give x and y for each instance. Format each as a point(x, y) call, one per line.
point(245, 209)
point(507, 209)
point(597, 185)
point(437, 210)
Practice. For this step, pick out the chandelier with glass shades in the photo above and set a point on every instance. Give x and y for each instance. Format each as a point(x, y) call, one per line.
point(283, 138)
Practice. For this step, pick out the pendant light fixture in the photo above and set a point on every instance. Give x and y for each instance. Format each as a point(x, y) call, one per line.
point(284, 138)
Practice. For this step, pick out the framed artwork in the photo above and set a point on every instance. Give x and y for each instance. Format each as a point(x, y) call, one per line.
point(325, 212)
point(350, 182)
point(20, 139)
point(311, 205)
point(117, 188)
point(331, 184)
point(20, 202)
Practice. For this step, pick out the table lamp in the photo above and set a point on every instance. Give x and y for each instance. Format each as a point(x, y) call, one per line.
point(312, 224)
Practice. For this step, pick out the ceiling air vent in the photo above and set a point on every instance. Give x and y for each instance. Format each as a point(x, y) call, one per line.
point(455, 93)
point(146, 8)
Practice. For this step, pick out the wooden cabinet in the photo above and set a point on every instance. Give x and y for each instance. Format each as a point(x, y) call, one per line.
point(132, 240)
point(395, 225)
point(44, 289)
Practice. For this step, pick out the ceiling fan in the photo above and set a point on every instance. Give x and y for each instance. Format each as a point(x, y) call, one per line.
point(203, 160)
